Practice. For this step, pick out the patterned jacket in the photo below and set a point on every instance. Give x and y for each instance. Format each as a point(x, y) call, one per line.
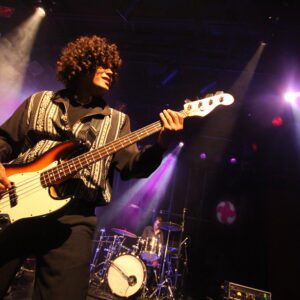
point(41, 122)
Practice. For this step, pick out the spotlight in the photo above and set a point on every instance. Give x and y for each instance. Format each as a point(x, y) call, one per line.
point(277, 121)
point(181, 144)
point(254, 147)
point(203, 156)
point(233, 160)
point(292, 97)
point(40, 11)
point(262, 43)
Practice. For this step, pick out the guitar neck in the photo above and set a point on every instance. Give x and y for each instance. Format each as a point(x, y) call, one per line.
point(65, 170)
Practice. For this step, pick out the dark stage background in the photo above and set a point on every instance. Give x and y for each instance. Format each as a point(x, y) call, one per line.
point(174, 50)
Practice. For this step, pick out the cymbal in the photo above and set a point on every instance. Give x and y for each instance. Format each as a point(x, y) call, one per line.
point(170, 226)
point(124, 232)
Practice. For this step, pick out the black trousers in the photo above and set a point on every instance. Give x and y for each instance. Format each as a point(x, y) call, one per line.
point(62, 247)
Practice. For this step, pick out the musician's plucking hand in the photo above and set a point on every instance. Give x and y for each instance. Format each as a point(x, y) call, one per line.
point(4, 181)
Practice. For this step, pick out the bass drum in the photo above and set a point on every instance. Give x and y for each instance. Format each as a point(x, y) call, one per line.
point(126, 275)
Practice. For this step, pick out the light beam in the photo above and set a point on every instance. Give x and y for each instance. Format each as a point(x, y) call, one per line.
point(15, 48)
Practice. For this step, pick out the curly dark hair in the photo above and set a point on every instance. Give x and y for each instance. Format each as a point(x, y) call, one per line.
point(85, 54)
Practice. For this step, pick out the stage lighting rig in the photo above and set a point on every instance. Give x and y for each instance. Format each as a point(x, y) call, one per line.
point(6, 12)
point(44, 7)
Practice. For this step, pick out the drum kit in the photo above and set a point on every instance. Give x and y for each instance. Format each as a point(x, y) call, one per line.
point(145, 270)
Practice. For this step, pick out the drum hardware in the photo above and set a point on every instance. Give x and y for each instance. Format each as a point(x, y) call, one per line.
point(98, 248)
point(165, 279)
point(169, 226)
point(113, 249)
point(125, 271)
point(124, 232)
point(112, 252)
point(138, 247)
point(182, 243)
point(127, 250)
point(135, 250)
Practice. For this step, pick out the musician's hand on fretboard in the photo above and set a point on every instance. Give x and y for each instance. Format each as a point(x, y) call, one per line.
point(172, 122)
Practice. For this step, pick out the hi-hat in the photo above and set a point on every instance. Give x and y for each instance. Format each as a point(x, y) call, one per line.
point(170, 226)
point(124, 232)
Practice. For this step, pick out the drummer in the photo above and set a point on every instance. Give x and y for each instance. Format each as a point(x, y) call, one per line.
point(154, 231)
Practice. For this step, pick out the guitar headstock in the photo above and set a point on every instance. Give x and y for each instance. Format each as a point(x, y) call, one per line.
point(204, 106)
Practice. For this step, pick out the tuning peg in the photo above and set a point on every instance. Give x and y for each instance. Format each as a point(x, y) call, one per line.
point(187, 101)
point(219, 92)
point(209, 95)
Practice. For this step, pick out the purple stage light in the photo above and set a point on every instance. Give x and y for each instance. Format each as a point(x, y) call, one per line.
point(292, 97)
point(233, 160)
point(203, 156)
point(181, 144)
point(136, 203)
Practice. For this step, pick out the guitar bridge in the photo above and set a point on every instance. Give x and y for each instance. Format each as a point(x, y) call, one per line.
point(13, 198)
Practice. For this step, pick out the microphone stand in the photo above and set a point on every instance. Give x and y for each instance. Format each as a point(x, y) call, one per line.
point(181, 242)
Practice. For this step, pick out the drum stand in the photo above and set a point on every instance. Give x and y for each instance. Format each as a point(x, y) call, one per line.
point(97, 251)
point(169, 278)
point(165, 277)
point(182, 242)
point(112, 251)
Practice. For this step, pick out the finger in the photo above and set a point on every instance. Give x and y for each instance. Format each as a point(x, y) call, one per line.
point(168, 117)
point(164, 120)
point(174, 116)
point(2, 187)
point(177, 119)
point(5, 184)
point(180, 120)
point(3, 178)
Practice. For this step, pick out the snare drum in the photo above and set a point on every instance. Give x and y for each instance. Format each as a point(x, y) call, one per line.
point(126, 275)
point(151, 250)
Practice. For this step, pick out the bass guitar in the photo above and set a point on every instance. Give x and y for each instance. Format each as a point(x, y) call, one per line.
point(32, 194)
